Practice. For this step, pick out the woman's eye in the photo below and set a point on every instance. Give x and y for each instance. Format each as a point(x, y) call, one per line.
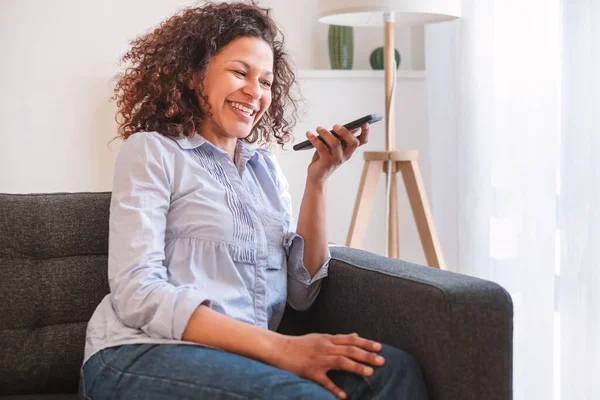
point(267, 83)
point(242, 73)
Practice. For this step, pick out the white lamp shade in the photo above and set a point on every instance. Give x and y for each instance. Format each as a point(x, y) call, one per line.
point(370, 12)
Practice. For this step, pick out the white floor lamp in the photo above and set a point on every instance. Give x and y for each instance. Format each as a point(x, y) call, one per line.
point(390, 161)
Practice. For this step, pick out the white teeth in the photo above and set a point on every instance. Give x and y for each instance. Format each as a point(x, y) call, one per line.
point(242, 108)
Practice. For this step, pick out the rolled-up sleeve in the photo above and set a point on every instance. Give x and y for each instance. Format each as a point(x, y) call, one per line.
point(141, 295)
point(302, 289)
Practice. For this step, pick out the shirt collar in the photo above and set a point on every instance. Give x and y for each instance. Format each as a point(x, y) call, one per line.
point(190, 142)
point(242, 149)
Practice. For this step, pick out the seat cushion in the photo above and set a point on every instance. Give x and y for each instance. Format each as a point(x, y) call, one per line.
point(53, 274)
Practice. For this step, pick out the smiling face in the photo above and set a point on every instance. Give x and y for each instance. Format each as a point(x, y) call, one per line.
point(237, 83)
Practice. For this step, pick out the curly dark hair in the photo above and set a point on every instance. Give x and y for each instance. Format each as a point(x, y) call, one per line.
point(153, 93)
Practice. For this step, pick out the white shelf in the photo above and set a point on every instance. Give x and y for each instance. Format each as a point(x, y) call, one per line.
point(357, 74)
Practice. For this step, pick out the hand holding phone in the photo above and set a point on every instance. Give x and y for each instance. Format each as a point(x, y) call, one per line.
point(351, 126)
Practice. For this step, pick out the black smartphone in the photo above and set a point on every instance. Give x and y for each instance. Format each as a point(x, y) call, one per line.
point(351, 126)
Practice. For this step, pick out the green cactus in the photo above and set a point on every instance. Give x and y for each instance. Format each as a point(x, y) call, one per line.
point(341, 46)
point(376, 58)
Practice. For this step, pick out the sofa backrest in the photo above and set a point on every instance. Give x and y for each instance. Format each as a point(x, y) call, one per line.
point(53, 274)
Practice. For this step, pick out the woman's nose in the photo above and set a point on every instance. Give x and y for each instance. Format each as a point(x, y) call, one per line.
point(252, 89)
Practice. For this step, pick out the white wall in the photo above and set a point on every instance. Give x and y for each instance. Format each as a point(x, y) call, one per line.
point(58, 59)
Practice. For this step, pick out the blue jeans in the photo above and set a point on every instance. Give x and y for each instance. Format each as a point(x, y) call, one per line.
point(165, 371)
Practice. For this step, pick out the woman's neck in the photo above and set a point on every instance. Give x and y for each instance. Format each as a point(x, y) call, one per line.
point(221, 140)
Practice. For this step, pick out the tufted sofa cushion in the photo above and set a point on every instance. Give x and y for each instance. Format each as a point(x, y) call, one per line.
point(52, 277)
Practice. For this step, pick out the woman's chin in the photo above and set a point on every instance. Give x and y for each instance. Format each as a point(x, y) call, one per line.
point(239, 132)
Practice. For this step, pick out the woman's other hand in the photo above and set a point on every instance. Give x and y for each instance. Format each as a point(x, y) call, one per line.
point(328, 157)
point(312, 356)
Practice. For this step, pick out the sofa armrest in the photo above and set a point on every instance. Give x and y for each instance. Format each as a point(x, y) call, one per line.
point(458, 327)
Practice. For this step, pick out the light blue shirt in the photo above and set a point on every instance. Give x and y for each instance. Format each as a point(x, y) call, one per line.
point(189, 226)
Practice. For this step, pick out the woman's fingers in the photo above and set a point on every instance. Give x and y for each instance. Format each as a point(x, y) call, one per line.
point(359, 354)
point(333, 143)
point(321, 147)
point(363, 138)
point(351, 143)
point(346, 364)
point(328, 384)
point(333, 148)
point(356, 340)
point(358, 348)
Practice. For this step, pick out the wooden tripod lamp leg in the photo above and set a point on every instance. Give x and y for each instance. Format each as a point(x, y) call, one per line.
point(422, 213)
point(389, 45)
point(393, 228)
point(364, 204)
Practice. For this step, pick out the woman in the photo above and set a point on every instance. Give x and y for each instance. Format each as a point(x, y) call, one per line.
point(203, 251)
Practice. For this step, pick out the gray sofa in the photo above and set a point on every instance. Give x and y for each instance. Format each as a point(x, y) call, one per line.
point(53, 254)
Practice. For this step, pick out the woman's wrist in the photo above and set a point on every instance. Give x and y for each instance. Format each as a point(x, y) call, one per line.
point(276, 346)
point(316, 186)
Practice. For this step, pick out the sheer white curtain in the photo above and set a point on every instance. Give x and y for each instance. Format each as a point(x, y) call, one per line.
point(514, 106)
